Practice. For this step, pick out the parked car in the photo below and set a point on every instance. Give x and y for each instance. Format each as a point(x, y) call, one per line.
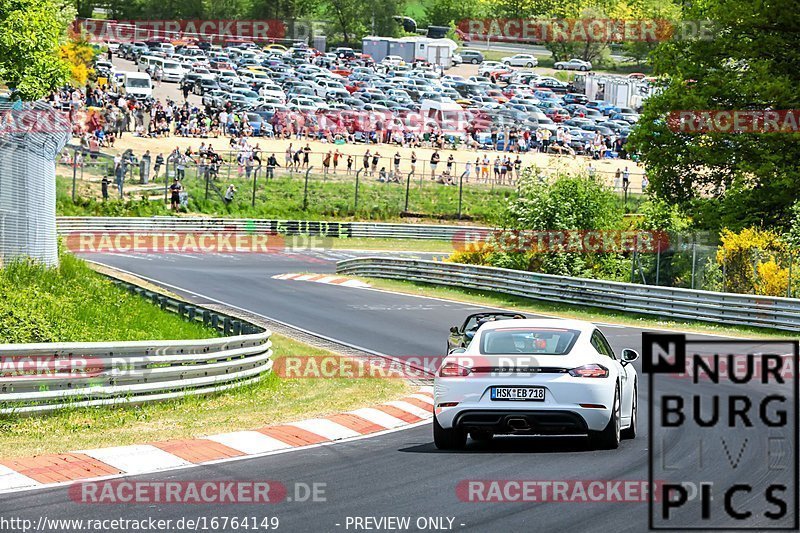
point(575, 98)
point(520, 60)
point(573, 64)
point(471, 56)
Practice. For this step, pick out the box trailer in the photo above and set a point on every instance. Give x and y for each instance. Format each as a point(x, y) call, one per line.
point(376, 47)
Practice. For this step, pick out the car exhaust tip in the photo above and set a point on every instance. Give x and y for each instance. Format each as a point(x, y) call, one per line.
point(518, 424)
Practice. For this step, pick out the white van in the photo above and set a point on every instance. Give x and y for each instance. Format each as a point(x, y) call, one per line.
point(137, 84)
point(447, 117)
point(166, 48)
point(144, 62)
point(171, 69)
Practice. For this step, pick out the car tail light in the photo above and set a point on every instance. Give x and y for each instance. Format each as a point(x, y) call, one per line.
point(589, 371)
point(452, 370)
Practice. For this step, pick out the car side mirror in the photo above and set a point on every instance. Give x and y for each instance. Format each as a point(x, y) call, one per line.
point(454, 329)
point(456, 350)
point(629, 356)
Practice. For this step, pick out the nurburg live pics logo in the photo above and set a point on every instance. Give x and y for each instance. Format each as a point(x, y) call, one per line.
point(723, 445)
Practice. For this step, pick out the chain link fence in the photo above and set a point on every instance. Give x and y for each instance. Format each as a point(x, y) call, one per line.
point(31, 137)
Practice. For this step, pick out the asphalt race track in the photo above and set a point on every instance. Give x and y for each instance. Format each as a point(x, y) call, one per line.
point(398, 473)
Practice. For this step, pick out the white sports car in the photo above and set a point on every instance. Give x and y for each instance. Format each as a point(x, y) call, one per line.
point(536, 377)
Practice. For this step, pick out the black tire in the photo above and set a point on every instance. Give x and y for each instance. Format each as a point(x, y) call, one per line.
point(609, 438)
point(507, 63)
point(630, 432)
point(559, 67)
point(584, 69)
point(474, 61)
point(448, 439)
point(529, 64)
point(481, 436)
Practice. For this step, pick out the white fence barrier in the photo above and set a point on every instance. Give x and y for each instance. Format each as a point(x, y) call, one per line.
point(664, 302)
point(43, 377)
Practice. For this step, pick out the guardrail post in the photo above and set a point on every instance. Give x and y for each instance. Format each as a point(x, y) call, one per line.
point(253, 200)
point(237, 327)
point(355, 205)
point(460, 193)
point(658, 263)
point(206, 317)
point(226, 325)
point(408, 188)
point(74, 173)
point(305, 190)
point(214, 320)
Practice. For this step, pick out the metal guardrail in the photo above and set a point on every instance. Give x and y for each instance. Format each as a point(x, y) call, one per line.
point(666, 302)
point(284, 227)
point(41, 377)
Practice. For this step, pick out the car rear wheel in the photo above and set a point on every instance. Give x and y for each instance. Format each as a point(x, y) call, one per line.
point(529, 64)
point(608, 438)
point(448, 439)
point(474, 61)
point(630, 432)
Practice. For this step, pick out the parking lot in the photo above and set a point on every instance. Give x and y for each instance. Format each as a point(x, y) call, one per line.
point(520, 102)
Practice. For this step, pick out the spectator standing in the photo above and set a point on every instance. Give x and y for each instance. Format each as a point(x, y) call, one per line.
point(272, 162)
point(104, 187)
point(157, 167)
point(366, 162)
point(397, 164)
point(326, 162)
point(435, 157)
point(144, 168)
point(175, 194)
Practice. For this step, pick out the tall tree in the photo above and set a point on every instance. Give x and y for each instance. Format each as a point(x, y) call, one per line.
point(31, 32)
point(748, 62)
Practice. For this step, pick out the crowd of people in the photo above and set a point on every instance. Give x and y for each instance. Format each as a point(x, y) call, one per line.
point(101, 115)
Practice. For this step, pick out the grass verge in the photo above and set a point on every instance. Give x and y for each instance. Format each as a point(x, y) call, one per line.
point(270, 401)
point(282, 197)
point(592, 314)
point(395, 245)
point(72, 303)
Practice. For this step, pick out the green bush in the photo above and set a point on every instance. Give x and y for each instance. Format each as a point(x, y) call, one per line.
point(72, 303)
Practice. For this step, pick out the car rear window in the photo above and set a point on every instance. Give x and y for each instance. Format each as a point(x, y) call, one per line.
point(543, 341)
